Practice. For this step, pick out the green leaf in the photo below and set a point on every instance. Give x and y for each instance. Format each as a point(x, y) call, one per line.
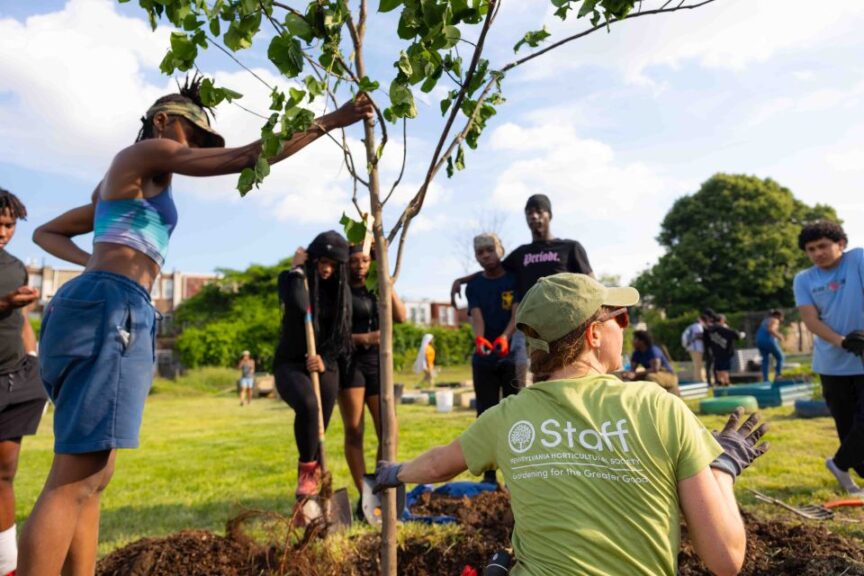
point(296, 96)
point(236, 38)
point(277, 100)
point(532, 39)
point(215, 28)
point(355, 230)
point(246, 181)
point(452, 36)
point(404, 64)
point(460, 158)
point(388, 5)
point(367, 85)
point(287, 55)
point(184, 49)
point(299, 27)
point(314, 86)
point(262, 168)
point(449, 166)
point(372, 277)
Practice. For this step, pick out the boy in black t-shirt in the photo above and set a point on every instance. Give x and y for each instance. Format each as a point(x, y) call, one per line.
point(490, 306)
point(22, 397)
point(544, 256)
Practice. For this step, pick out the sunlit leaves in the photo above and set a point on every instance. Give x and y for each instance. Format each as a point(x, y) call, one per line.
point(211, 96)
point(532, 39)
point(287, 55)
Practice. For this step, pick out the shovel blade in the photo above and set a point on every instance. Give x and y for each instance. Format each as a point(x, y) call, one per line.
point(340, 510)
point(371, 503)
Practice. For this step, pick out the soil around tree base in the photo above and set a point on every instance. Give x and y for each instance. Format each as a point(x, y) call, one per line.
point(773, 548)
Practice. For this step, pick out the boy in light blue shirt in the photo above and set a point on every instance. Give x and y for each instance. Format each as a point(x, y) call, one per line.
point(830, 297)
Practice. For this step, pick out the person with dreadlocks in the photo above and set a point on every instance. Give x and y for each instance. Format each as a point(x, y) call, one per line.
point(98, 332)
point(324, 267)
point(22, 397)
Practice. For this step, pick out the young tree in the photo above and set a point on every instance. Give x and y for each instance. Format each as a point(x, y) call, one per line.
point(323, 44)
point(731, 246)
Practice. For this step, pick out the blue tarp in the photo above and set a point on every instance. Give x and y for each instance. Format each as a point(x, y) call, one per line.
point(452, 489)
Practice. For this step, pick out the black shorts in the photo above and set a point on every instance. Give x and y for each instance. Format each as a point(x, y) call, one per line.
point(17, 420)
point(362, 372)
point(722, 363)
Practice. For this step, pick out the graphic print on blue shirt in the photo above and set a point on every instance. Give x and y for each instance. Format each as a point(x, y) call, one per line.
point(838, 296)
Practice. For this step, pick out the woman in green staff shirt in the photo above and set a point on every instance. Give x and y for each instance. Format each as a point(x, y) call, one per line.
point(597, 469)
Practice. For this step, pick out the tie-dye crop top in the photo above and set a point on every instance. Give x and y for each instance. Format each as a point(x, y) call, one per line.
point(144, 224)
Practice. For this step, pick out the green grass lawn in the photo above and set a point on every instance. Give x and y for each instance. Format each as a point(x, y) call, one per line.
point(203, 458)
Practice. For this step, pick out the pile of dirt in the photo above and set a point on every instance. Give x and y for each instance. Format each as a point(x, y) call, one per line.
point(486, 522)
point(785, 549)
point(186, 553)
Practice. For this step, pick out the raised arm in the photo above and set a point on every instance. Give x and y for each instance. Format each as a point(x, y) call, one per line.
point(456, 289)
point(159, 156)
point(55, 236)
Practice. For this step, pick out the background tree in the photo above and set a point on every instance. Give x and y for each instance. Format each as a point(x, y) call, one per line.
point(326, 39)
point(733, 246)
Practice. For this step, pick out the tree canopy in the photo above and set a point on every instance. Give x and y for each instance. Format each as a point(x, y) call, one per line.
point(733, 245)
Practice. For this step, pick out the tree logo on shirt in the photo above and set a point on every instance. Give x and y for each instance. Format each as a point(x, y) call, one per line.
point(521, 436)
point(507, 300)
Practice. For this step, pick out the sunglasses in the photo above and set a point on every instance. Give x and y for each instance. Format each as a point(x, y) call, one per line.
point(622, 318)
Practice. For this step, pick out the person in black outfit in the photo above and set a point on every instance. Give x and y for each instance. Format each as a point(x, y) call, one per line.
point(544, 256)
point(710, 318)
point(22, 397)
point(721, 339)
point(361, 380)
point(325, 263)
point(490, 303)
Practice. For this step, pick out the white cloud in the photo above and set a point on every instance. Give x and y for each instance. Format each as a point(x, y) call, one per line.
point(727, 34)
point(816, 101)
point(847, 159)
point(75, 84)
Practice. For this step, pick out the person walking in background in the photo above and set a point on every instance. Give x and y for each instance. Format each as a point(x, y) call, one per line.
point(710, 317)
point(22, 397)
point(324, 267)
point(830, 297)
point(360, 384)
point(655, 364)
point(721, 339)
point(247, 377)
point(768, 340)
point(490, 307)
point(692, 340)
point(425, 361)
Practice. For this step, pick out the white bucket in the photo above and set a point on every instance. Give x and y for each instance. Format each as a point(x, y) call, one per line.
point(444, 400)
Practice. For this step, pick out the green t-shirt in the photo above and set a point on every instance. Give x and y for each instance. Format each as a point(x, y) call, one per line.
point(593, 466)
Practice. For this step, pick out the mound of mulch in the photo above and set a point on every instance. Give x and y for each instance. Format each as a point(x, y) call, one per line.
point(786, 549)
point(773, 548)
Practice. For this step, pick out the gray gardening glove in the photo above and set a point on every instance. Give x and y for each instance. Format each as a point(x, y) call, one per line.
point(739, 443)
point(854, 342)
point(386, 476)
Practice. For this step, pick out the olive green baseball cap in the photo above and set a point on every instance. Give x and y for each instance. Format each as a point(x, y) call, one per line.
point(194, 114)
point(558, 304)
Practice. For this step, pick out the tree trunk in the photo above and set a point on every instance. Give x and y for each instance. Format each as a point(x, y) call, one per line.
point(385, 324)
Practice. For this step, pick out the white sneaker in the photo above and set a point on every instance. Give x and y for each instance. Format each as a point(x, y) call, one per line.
point(845, 480)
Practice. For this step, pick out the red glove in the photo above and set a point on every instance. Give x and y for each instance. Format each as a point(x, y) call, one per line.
point(484, 347)
point(501, 346)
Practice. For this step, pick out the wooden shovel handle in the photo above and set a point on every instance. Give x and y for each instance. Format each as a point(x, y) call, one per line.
point(316, 381)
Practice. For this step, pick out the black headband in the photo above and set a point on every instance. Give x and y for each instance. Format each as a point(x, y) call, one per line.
point(331, 245)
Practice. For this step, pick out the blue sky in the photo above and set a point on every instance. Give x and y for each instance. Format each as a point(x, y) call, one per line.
point(613, 128)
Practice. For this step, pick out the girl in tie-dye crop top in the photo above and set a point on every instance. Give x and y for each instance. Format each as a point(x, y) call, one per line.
point(98, 332)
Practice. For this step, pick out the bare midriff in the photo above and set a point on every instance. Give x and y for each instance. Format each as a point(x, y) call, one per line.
point(123, 260)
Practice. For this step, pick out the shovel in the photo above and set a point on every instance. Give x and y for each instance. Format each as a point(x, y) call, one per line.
point(371, 502)
point(333, 507)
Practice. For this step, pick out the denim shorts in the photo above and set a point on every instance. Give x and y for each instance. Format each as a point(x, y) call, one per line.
point(247, 382)
point(97, 351)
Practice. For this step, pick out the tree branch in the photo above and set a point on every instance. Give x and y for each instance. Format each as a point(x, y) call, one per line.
point(661, 10)
point(417, 202)
point(404, 160)
point(399, 252)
